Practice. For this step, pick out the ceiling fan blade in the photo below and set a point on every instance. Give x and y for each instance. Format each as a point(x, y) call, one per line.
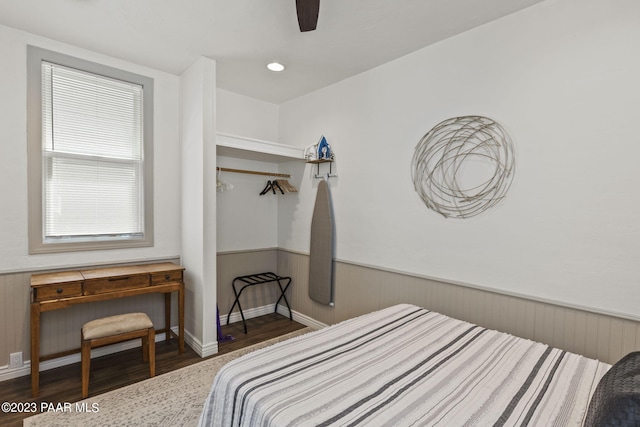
point(307, 14)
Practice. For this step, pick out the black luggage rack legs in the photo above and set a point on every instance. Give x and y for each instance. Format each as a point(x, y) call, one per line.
point(259, 279)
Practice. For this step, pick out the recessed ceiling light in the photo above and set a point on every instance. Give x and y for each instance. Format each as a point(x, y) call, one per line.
point(275, 66)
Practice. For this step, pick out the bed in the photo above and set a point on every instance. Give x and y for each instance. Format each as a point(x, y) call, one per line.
point(404, 366)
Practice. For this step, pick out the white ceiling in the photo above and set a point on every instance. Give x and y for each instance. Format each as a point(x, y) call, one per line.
point(243, 35)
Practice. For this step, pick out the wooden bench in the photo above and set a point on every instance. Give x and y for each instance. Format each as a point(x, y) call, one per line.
point(114, 329)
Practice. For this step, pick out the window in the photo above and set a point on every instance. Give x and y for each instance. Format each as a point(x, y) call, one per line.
point(90, 155)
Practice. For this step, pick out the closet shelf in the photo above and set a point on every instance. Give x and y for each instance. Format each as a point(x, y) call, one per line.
point(320, 161)
point(241, 147)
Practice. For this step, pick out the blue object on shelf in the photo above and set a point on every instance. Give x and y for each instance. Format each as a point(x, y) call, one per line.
point(324, 149)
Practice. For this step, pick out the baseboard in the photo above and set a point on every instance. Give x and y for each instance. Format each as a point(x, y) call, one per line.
point(7, 373)
point(302, 318)
point(249, 313)
point(212, 349)
point(268, 309)
point(196, 344)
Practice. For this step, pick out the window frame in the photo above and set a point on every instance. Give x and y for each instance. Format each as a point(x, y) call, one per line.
point(36, 184)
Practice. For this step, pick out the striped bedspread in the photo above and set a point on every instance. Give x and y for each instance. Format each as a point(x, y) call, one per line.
point(404, 366)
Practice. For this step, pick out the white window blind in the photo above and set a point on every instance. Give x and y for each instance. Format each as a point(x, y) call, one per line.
point(92, 155)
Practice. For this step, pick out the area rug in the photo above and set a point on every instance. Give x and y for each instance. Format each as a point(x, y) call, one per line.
point(172, 399)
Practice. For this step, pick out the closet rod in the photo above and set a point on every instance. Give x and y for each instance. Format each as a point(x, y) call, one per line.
point(278, 175)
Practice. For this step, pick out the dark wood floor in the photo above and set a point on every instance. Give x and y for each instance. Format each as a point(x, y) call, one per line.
point(110, 372)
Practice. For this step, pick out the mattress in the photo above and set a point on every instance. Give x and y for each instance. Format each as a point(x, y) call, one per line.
point(404, 366)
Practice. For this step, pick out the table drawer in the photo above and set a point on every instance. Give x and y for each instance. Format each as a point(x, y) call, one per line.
point(166, 276)
point(115, 283)
point(57, 291)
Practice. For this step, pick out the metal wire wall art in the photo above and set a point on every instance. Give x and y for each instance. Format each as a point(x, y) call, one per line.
point(463, 166)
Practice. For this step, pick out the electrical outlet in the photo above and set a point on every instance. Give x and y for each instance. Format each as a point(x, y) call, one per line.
point(15, 360)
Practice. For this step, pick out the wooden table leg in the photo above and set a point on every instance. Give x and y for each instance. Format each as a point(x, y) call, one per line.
point(181, 318)
point(167, 315)
point(35, 349)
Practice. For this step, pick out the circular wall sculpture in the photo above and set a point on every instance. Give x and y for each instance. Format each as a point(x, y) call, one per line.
point(463, 166)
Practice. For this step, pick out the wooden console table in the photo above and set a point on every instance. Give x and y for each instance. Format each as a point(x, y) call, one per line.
point(55, 291)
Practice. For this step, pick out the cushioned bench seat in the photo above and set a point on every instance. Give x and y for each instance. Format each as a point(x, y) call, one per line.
point(114, 329)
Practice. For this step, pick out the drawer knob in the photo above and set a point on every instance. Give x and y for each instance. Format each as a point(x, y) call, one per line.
point(59, 290)
point(167, 276)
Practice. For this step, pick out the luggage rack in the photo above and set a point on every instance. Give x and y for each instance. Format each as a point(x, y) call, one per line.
point(259, 279)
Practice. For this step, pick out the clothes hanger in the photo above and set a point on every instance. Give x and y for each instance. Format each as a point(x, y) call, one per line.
point(288, 188)
point(220, 184)
point(276, 184)
point(267, 187)
point(281, 185)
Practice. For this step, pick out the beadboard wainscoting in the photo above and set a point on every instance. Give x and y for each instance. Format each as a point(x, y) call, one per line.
point(60, 329)
point(256, 300)
point(360, 289)
point(242, 263)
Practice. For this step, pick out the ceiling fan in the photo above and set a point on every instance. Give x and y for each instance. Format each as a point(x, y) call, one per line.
point(307, 14)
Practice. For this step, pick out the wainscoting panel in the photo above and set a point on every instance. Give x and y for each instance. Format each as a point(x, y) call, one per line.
point(361, 289)
point(60, 329)
point(234, 264)
point(14, 315)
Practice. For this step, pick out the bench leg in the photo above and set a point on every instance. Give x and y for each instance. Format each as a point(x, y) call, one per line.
point(86, 363)
point(151, 349)
point(145, 348)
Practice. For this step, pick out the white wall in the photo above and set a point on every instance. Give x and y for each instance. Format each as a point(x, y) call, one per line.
point(14, 251)
point(244, 116)
point(198, 157)
point(562, 78)
point(246, 220)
